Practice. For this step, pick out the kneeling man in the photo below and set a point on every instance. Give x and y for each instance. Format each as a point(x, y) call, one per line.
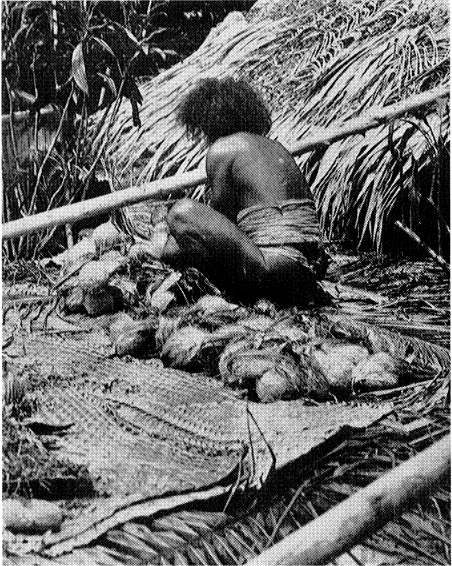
point(260, 236)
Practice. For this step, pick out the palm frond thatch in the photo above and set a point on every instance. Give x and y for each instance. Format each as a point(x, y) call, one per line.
point(326, 62)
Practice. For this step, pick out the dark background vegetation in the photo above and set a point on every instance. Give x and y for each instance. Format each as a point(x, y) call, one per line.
point(80, 57)
point(37, 63)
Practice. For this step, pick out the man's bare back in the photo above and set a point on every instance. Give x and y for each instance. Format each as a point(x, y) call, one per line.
point(247, 173)
point(246, 169)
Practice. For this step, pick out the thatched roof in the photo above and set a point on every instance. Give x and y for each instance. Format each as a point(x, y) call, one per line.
point(317, 63)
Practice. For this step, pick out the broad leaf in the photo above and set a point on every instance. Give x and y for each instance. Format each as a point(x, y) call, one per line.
point(110, 83)
point(104, 45)
point(160, 52)
point(78, 68)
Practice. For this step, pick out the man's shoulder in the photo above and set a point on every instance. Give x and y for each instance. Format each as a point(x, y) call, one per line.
point(229, 146)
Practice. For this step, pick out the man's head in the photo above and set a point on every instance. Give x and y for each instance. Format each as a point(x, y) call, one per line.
point(221, 107)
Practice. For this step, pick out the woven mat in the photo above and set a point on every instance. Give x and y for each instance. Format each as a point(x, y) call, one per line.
point(148, 433)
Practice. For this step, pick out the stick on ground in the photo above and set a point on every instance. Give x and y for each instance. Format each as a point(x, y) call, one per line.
point(440, 260)
point(364, 512)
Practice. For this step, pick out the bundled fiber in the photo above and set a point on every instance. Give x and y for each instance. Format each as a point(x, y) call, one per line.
point(378, 371)
point(196, 333)
point(320, 369)
point(268, 354)
point(336, 363)
point(182, 346)
point(109, 271)
point(296, 222)
point(426, 359)
point(290, 227)
point(268, 371)
point(133, 337)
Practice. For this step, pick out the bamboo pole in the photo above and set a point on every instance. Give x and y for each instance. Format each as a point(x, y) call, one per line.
point(439, 259)
point(372, 119)
point(179, 184)
point(21, 115)
point(99, 205)
point(364, 512)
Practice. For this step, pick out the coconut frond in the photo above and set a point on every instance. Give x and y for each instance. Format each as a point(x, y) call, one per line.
point(417, 296)
point(213, 534)
point(360, 183)
point(319, 63)
point(204, 535)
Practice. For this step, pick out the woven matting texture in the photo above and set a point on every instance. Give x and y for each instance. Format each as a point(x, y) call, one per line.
point(149, 432)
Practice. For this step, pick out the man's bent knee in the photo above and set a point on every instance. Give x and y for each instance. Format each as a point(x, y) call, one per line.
point(182, 210)
point(181, 213)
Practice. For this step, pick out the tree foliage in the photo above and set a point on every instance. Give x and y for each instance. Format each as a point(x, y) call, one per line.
point(98, 45)
point(81, 57)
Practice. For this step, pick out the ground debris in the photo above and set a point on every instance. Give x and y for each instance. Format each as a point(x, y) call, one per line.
point(198, 305)
point(31, 470)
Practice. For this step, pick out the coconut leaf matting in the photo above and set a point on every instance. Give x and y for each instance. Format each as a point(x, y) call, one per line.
point(205, 532)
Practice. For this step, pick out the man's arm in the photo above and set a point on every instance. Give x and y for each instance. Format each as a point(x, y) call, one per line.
point(218, 167)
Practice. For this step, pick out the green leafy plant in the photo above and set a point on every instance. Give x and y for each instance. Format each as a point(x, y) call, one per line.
point(72, 56)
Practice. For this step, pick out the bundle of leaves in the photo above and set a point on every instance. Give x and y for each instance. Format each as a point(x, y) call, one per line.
point(318, 64)
point(289, 355)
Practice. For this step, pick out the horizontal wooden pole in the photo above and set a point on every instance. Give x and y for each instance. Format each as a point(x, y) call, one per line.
point(364, 512)
point(372, 119)
point(99, 205)
point(180, 183)
point(22, 115)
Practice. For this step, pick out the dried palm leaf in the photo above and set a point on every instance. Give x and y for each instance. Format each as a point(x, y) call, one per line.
point(316, 64)
point(197, 536)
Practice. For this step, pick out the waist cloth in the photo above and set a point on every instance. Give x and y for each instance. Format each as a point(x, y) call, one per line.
point(289, 228)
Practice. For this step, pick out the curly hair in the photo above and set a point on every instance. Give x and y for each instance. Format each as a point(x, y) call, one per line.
point(221, 107)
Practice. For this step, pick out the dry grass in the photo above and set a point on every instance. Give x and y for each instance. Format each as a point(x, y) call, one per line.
point(31, 470)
